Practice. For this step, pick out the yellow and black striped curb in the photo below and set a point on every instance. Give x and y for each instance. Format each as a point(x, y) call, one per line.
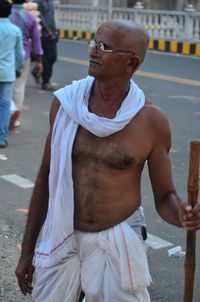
point(173, 46)
point(72, 34)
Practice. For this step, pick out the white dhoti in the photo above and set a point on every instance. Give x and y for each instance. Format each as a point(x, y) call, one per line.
point(108, 266)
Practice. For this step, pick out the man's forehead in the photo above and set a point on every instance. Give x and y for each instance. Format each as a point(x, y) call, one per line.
point(109, 30)
point(113, 35)
point(116, 28)
point(124, 31)
point(110, 26)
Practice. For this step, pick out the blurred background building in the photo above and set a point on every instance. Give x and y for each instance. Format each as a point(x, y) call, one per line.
point(173, 25)
point(148, 4)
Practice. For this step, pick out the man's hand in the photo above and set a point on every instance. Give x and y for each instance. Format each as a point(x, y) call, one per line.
point(38, 68)
point(24, 273)
point(190, 217)
point(18, 73)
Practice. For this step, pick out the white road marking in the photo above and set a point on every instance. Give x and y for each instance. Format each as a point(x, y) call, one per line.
point(185, 97)
point(19, 246)
point(157, 243)
point(3, 157)
point(22, 210)
point(45, 113)
point(18, 181)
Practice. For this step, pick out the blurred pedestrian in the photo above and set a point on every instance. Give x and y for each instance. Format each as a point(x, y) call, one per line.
point(11, 63)
point(32, 43)
point(49, 39)
point(32, 7)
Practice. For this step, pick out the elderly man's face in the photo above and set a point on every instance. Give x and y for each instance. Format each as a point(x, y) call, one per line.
point(108, 58)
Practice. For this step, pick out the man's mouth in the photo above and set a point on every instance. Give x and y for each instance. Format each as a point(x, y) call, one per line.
point(95, 61)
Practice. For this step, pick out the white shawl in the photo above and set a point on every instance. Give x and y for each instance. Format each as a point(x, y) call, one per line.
point(58, 228)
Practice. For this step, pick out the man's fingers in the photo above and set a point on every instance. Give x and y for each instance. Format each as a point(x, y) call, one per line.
point(25, 280)
point(29, 279)
point(22, 285)
point(30, 274)
point(191, 225)
point(196, 209)
point(25, 286)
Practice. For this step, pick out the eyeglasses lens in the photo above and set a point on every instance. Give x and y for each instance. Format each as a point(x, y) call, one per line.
point(98, 46)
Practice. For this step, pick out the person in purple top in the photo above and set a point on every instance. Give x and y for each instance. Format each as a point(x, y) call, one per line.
point(32, 43)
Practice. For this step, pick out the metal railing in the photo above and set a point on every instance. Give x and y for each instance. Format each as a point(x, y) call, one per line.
point(161, 24)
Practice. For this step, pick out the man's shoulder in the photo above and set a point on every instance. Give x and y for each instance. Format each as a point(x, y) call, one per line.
point(153, 108)
point(154, 114)
point(15, 29)
point(26, 15)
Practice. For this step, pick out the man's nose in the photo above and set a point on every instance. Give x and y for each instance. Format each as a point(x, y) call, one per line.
point(93, 50)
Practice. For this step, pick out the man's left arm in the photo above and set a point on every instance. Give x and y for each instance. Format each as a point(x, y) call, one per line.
point(168, 204)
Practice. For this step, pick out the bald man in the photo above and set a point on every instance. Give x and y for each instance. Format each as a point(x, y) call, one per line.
point(88, 189)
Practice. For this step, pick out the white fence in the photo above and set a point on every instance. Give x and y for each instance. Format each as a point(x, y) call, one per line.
point(161, 24)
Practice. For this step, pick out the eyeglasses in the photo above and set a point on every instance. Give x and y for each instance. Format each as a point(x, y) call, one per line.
point(102, 48)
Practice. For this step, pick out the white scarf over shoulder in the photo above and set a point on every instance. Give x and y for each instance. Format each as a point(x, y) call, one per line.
point(58, 228)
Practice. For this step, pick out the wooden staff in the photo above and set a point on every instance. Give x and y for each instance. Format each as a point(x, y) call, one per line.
point(192, 187)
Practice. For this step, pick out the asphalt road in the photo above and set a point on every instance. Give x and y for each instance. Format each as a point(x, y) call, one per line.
point(171, 82)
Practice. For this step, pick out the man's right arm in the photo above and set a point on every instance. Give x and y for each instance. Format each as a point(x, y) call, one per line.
point(37, 213)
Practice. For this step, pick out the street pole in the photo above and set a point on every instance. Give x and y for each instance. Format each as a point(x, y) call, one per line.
point(110, 5)
point(193, 189)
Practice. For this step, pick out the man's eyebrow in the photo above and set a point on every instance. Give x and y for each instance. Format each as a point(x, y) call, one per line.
point(106, 44)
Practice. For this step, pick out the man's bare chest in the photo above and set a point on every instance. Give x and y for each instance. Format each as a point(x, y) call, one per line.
point(109, 151)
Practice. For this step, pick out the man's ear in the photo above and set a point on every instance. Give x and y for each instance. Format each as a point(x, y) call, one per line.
point(135, 62)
